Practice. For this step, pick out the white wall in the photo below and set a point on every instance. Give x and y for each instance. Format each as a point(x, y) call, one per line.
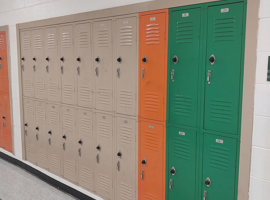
point(260, 167)
point(13, 12)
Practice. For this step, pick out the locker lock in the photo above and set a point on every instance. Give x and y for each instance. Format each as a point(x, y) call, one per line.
point(98, 148)
point(80, 142)
point(62, 59)
point(207, 182)
point(64, 137)
point(173, 171)
point(25, 124)
point(37, 128)
point(0, 58)
point(175, 59)
point(97, 59)
point(4, 117)
point(119, 59)
point(212, 59)
point(79, 59)
point(23, 59)
point(119, 154)
point(144, 161)
point(34, 59)
point(144, 60)
point(48, 59)
point(50, 132)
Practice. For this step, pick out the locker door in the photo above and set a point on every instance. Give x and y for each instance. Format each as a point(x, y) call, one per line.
point(153, 64)
point(53, 129)
point(39, 64)
point(86, 149)
point(125, 60)
point(104, 149)
point(52, 63)
point(29, 134)
point(183, 73)
point(219, 164)
point(4, 86)
point(181, 171)
point(5, 123)
point(151, 161)
point(102, 41)
point(126, 180)
point(68, 69)
point(40, 134)
point(223, 70)
point(69, 143)
point(27, 64)
point(83, 54)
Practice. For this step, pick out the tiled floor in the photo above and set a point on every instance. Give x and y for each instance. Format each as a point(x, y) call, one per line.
point(17, 184)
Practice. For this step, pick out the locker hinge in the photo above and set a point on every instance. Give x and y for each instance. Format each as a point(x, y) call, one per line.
point(172, 75)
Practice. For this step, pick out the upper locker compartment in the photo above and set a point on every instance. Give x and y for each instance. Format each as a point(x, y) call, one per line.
point(26, 64)
point(153, 65)
point(102, 43)
point(223, 70)
point(183, 64)
point(125, 60)
point(68, 69)
point(83, 53)
point(4, 86)
point(52, 65)
point(38, 63)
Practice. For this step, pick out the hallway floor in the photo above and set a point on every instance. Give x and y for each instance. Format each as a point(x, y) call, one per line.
point(17, 184)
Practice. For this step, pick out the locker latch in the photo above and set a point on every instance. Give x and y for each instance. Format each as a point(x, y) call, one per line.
point(172, 75)
point(34, 68)
point(78, 70)
point(171, 184)
point(118, 72)
point(23, 67)
point(80, 152)
point(142, 174)
point(62, 70)
point(4, 124)
point(0, 65)
point(96, 70)
point(143, 73)
point(64, 146)
point(97, 158)
point(204, 195)
point(209, 73)
point(49, 141)
point(36, 136)
point(118, 166)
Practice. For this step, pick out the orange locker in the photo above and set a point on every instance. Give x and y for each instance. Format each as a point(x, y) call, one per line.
point(153, 37)
point(151, 160)
point(5, 122)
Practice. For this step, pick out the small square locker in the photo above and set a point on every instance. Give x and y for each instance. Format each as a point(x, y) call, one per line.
point(27, 66)
point(69, 143)
point(125, 65)
point(67, 63)
point(83, 63)
point(86, 149)
point(102, 63)
point(103, 128)
point(126, 158)
point(153, 29)
point(52, 64)
point(54, 136)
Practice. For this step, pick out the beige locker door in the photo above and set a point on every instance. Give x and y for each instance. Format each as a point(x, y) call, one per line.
point(104, 148)
point(68, 69)
point(126, 162)
point(86, 149)
point(52, 65)
point(83, 55)
point(69, 139)
point(27, 64)
point(39, 64)
point(29, 124)
point(102, 43)
point(55, 152)
point(40, 134)
point(126, 70)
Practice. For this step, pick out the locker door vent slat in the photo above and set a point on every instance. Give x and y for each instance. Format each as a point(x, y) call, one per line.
point(183, 106)
point(224, 29)
point(126, 36)
point(37, 43)
point(182, 148)
point(152, 34)
point(84, 40)
point(51, 41)
point(219, 157)
point(184, 32)
point(221, 111)
point(126, 192)
point(66, 40)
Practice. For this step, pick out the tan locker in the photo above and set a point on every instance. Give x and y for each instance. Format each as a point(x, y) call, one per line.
point(52, 64)
point(69, 145)
point(83, 55)
point(29, 124)
point(68, 69)
point(26, 64)
point(86, 149)
point(38, 63)
point(39, 130)
point(104, 147)
point(53, 129)
point(102, 43)
point(126, 162)
point(125, 60)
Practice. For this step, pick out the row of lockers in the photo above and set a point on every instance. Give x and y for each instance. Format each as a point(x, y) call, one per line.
point(93, 65)
point(5, 117)
point(92, 149)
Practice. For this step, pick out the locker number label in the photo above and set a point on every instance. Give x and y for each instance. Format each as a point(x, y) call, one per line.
point(185, 15)
point(182, 133)
point(219, 141)
point(151, 127)
point(153, 19)
point(225, 10)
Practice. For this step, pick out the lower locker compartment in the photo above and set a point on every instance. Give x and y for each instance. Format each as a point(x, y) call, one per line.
point(151, 163)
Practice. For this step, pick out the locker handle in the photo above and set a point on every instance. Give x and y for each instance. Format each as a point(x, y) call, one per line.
point(119, 59)
point(80, 142)
point(64, 146)
point(209, 74)
point(49, 141)
point(48, 59)
point(118, 72)
point(98, 148)
point(118, 166)
point(171, 184)
point(62, 70)
point(204, 195)
point(34, 68)
point(23, 67)
point(37, 128)
point(47, 68)
point(37, 136)
point(23, 59)
point(4, 124)
point(96, 70)
point(97, 59)
point(64, 137)
point(78, 59)
point(80, 152)
point(172, 75)
point(142, 174)
point(78, 70)
point(97, 158)
point(119, 154)
point(143, 73)
point(62, 59)
point(34, 59)
point(25, 132)
point(50, 132)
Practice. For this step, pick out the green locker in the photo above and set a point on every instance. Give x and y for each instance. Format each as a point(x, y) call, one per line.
point(183, 62)
point(219, 168)
point(181, 170)
point(223, 68)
